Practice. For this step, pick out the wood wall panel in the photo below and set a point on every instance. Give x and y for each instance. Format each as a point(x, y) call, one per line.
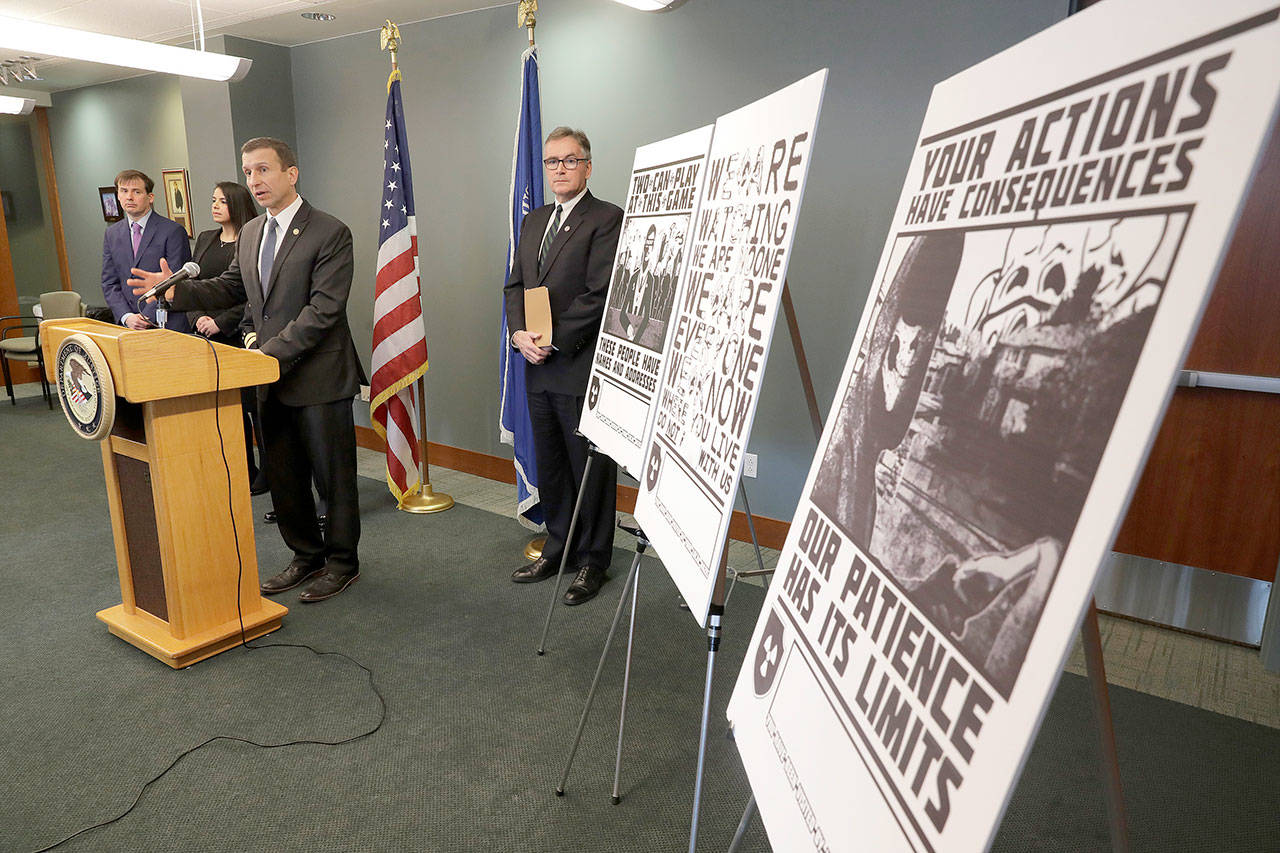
point(1210, 494)
point(1240, 330)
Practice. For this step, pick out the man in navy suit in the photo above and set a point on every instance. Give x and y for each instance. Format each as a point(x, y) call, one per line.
point(140, 240)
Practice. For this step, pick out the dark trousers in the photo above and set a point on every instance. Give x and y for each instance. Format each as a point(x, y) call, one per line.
point(306, 442)
point(562, 456)
point(252, 430)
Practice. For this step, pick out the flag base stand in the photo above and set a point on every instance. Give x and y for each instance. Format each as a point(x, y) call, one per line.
point(426, 501)
point(533, 550)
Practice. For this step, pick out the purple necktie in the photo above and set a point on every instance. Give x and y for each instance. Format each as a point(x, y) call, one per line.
point(137, 236)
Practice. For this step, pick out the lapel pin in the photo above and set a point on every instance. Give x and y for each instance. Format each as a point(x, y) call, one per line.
point(296, 232)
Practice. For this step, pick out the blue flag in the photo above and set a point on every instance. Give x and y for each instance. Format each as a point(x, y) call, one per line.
point(526, 194)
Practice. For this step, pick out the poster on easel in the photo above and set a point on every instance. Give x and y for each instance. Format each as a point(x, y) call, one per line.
point(722, 325)
point(1063, 219)
point(626, 373)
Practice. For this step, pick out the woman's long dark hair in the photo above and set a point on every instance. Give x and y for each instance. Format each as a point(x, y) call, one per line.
point(239, 203)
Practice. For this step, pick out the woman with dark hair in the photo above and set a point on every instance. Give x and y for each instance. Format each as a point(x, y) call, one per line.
point(231, 207)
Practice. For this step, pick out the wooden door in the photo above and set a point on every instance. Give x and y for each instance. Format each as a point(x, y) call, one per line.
point(1210, 494)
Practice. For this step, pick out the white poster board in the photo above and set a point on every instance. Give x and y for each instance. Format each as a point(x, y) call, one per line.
point(723, 323)
point(666, 182)
point(1064, 216)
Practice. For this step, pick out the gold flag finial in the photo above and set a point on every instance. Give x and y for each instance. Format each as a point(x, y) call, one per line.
point(391, 42)
point(527, 13)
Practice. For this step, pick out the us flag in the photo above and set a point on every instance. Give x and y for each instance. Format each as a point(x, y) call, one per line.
point(399, 337)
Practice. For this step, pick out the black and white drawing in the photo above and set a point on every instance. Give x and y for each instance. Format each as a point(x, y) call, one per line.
point(973, 428)
point(645, 276)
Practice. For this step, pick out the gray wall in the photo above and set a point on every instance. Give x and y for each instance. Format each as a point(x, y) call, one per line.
point(35, 262)
point(96, 132)
point(629, 78)
point(211, 147)
point(261, 103)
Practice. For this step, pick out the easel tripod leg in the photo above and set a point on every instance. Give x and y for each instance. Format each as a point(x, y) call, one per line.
point(755, 542)
point(591, 693)
point(568, 547)
point(1118, 822)
point(626, 683)
point(747, 813)
point(713, 646)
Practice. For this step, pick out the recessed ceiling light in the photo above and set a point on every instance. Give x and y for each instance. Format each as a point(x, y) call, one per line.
point(319, 16)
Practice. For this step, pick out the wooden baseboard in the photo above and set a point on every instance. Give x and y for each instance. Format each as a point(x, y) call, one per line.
point(771, 532)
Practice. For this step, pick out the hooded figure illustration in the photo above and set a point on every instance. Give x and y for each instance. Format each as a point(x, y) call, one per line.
point(882, 398)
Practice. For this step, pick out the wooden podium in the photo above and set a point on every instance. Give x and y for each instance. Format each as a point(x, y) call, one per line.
point(171, 513)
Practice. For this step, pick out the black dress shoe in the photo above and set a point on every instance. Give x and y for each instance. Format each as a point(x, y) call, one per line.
point(270, 516)
point(585, 585)
point(327, 586)
point(258, 485)
point(539, 570)
point(297, 572)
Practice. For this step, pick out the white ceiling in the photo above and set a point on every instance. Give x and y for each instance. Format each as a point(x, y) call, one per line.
point(172, 22)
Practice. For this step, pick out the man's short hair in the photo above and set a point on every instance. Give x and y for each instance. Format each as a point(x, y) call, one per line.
point(135, 175)
point(282, 149)
point(577, 136)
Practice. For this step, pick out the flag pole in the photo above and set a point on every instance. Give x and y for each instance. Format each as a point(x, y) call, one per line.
point(527, 15)
point(425, 500)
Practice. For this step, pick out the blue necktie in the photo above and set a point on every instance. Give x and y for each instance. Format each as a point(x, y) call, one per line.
point(268, 256)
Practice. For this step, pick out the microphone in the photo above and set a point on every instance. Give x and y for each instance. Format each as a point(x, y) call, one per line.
point(189, 270)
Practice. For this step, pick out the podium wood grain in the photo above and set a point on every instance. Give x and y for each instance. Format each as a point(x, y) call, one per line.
point(181, 419)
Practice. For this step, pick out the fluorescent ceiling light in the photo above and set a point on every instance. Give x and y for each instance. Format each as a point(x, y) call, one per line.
point(648, 5)
point(48, 40)
point(16, 106)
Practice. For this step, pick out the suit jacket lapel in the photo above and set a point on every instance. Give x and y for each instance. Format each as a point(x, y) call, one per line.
point(566, 231)
point(296, 227)
point(249, 271)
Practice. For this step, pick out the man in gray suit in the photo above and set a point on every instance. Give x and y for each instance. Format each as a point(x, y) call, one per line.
point(294, 267)
point(568, 247)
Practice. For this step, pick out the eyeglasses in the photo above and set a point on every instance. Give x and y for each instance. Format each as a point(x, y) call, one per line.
point(570, 163)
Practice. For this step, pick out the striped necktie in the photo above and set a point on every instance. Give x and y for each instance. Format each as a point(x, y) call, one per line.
point(550, 238)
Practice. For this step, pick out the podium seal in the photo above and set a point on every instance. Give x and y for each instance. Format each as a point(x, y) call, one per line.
point(85, 388)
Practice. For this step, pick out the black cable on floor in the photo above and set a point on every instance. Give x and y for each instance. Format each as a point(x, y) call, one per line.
point(217, 386)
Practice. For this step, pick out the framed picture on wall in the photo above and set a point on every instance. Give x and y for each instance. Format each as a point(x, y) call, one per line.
point(177, 197)
point(110, 204)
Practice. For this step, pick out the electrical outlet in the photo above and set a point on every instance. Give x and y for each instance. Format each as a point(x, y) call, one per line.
point(749, 465)
point(364, 393)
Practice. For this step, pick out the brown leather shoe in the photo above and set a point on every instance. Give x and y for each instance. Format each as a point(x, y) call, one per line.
point(297, 572)
point(585, 585)
point(327, 586)
point(539, 570)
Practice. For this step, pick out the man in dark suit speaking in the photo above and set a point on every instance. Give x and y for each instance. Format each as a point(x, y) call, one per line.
point(568, 247)
point(294, 267)
point(141, 239)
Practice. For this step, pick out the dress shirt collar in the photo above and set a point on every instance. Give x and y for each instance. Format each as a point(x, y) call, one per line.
point(568, 206)
point(284, 219)
point(142, 220)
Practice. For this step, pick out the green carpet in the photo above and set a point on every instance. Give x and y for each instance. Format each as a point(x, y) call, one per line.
point(477, 725)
